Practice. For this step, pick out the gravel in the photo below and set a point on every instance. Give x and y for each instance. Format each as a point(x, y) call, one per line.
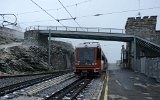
point(89, 91)
point(56, 88)
point(9, 81)
point(41, 94)
point(87, 94)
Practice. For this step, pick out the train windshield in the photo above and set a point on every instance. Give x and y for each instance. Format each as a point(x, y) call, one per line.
point(86, 56)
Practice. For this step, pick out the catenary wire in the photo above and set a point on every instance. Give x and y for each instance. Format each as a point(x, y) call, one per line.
point(70, 14)
point(125, 11)
point(94, 15)
point(47, 12)
point(36, 11)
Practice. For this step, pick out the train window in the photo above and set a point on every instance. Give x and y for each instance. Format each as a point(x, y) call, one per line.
point(86, 56)
point(98, 54)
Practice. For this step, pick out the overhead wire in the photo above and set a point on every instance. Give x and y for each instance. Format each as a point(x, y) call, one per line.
point(6, 22)
point(100, 14)
point(16, 24)
point(125, 11)
point(70, 14)
point(35, 21)
point(133, 10)
point(47, 12)
point(36, 11)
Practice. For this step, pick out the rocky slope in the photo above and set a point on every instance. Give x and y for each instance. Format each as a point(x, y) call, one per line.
point(9, 35)
point(4, 40)
point(33, 58)
point(28, 59)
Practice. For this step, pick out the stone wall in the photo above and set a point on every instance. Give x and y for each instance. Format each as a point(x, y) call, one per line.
point(34, 38)
point(158, 36)
point(149, 66)
point(144, 27)
point(62, 54)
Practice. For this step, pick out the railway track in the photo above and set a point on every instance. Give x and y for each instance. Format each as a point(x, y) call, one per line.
point(48, 84)
point(59, 87)
point(71, 91)
point(34, 74)
point(20, 85)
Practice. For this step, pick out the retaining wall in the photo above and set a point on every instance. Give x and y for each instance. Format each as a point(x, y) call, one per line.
point(148, 66)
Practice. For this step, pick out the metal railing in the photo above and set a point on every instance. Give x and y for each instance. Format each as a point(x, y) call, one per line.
point(77, 29)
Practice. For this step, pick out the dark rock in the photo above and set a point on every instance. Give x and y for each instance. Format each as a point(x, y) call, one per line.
point(34, 58)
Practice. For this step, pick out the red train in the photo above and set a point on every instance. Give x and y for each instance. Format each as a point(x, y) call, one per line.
point(89, 58)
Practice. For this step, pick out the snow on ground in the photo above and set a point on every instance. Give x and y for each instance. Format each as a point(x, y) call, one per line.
point(140, 84)
point(5, 46)
point(117, 97)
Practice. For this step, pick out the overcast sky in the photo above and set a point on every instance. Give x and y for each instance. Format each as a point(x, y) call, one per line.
point(114, 15)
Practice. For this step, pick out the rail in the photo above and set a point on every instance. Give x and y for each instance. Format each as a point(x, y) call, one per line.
point(77, 29)
point(13, 87)
point(73, 89)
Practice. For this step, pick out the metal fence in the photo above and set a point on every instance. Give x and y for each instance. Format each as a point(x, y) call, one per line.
point(77, 29)
point(149, 66)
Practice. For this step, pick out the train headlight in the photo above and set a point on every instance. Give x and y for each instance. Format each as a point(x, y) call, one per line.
point(77, 63)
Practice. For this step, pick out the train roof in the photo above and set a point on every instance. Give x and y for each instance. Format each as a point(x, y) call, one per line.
point(88, 44)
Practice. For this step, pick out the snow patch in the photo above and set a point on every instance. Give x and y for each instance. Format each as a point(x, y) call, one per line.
point(137, 78)
point(140, 84)
point(118, 83)
point(5, 46)
point(150, 98)
point(112, 96)
point(146, 93)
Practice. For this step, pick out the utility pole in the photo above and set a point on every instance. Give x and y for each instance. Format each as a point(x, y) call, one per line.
point(139, 13)
point(135, 55)
point(122, 50)
point(49, 50)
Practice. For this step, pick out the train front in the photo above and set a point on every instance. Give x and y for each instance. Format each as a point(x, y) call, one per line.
point(88, 59)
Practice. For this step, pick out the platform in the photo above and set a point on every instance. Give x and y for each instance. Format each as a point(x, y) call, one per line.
point(128, 85)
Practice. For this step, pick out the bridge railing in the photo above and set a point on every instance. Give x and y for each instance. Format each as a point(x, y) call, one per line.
point(76, 29)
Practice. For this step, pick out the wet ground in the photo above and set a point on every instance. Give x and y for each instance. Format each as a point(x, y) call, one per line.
point(128, 85)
